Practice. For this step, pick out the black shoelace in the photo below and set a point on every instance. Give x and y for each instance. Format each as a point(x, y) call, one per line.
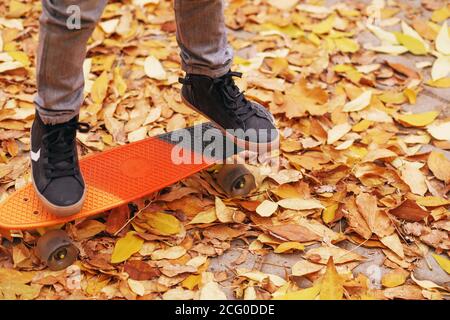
point(60, 144)
point(233, 98)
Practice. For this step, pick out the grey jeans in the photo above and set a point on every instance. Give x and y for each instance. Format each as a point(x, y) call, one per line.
point(201, 35)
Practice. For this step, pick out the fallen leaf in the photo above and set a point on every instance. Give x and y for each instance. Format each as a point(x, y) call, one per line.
point(304, 267)
point(289, 246)
point(361, 102)
point(439, 165)
point(332, 283)
point(426, 284)
point(377, 220)
point(338, 132)
point(165, 224)
point(300, 204)
point(212, 291)
point(440, 130)
point(171, 253)
point(154, 69)
point(393, 243)
point(393, 279)
point(303, 294)
point(223, 213)
point(443, 40)
point(418, 119)
point(292, 232)
point(409, 210)
point(140, 270)
point(322, 254)
point(267, 208)
point(127, 246)
point(207, 216)
point(443, 262)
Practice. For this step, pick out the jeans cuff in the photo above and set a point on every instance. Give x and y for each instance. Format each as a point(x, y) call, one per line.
point(52, 119)
point(205, 71)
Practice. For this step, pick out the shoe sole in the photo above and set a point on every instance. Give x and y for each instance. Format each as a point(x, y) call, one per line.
point(60, 211)
point(244, 144)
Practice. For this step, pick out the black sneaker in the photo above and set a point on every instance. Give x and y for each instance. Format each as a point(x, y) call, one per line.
point(248, 123)
point(56, 174)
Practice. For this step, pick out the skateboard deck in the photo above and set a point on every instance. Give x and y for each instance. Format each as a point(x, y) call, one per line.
point(125, 173)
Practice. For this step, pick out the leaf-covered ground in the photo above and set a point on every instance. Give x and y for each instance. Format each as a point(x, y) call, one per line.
point(357, 209)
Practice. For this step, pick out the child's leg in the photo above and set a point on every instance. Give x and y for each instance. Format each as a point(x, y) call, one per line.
point(208, 86)
point(201, 35)
point(65, 26)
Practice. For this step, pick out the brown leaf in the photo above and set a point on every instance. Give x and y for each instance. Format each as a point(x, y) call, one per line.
point(409, 210)
point(401, 68)
point(117, 219)
point(140, 270)
point(292, 232)
point(377, 220)
point(355, 219)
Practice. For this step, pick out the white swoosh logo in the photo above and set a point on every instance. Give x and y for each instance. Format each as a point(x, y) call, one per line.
point(35, 155)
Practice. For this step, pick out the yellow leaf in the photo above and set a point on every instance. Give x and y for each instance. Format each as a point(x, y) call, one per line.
point(393, 97)
point(192, 281)
point(432, 201)
point(100, 88)
point(126, 247)
point(207, 216)
point(119, 83)
point(361, 126)
point(287, 246)
point(440, 83)
point(418, 119)
point(393, 279)
point(443, 262)
point(332, 283)
point(329, 213)
point(314, 39)
point(347, 45)
point(165, 224)
point(441, 14)
point(443, 40)
point(411, 95)
point(17, 9)
point(324, 26)
point(20, 56)
point(266, 208)
point(414, 45)
point(304, 294)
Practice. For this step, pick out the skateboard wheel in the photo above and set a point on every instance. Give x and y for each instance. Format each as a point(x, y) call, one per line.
point(235, 180)
point(56, 249)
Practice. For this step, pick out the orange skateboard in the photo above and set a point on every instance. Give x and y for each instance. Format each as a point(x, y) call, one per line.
point(123, 174)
